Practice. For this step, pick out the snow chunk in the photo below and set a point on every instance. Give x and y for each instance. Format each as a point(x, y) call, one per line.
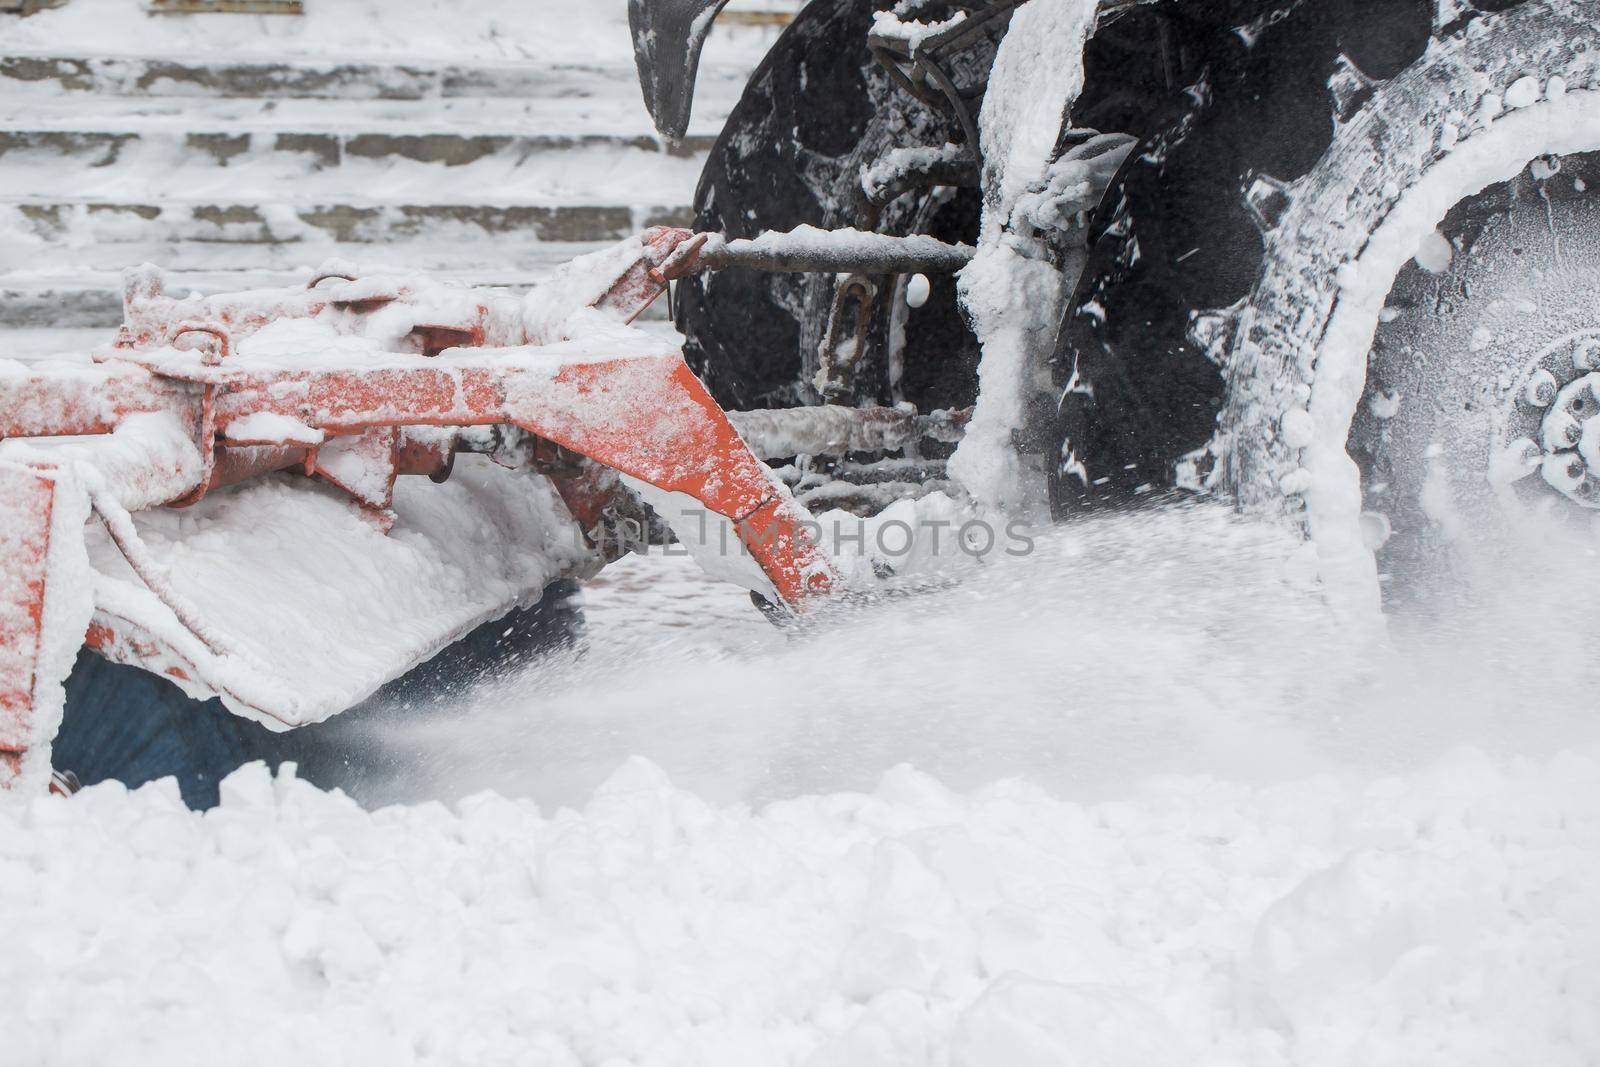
point(266, 427)
point(1523, 92)
point(910, 32)
point(1439, 918)
point(918, 290)
point(897, 163)
point(1298, 427)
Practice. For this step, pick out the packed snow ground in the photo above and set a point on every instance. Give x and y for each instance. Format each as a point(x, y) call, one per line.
point(1162, 812)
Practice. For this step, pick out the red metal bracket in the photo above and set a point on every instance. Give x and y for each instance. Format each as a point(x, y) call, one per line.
point(27, 504)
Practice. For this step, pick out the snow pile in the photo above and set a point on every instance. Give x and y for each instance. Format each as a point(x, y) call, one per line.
point(556, 309)
point(1179, 823)
point(1443, 919)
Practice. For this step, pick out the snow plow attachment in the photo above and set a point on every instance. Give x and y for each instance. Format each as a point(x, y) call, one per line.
point(324, 574)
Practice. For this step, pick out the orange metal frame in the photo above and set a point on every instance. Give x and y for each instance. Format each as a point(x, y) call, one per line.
point(646, 416)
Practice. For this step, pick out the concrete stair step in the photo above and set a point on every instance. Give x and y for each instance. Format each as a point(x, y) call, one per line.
point(45, 307)
point(93, 299)
point(323, 149)
point(619, 116)
point(238, 173)
point(164, 76)
point(163, 161)
point(110, 224)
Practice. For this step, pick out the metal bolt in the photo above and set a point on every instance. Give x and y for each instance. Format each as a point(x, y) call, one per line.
point(1586, 354)
point(1541, 389)
point(1515, 461)
point(1589, 444)
point(1559, 431)
point(1564, 472)
point(1376, 529)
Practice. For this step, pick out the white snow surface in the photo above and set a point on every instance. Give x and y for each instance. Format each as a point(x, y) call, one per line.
point(1163, 816)
point(1436, 919)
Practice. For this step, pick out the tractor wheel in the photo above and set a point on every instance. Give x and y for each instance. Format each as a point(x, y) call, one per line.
point(1349, 285)
point(816, 111)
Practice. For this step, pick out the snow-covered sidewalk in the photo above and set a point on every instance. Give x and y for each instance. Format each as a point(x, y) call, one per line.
point(1444, 918)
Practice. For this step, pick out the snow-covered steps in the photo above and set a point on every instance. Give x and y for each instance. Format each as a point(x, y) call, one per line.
point(79, 228)
point(579, 86)
point(160, 159)
point(48, 304)
point(231, 163)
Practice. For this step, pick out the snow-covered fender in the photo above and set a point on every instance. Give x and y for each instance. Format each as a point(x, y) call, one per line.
point(667, 37)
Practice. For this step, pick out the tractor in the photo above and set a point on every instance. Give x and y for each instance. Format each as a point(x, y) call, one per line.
point(1329, 261)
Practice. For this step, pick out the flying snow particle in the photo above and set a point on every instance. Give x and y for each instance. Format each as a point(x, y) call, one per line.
point(1435, 253)
point(1384, 405)
point(1376, 529)
point(1296, 483)
point(1297, 427)
point(917, 290)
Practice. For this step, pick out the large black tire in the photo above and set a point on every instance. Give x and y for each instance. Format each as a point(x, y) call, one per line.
point(1178, 236)
point(1218, 259)
point(818, 109)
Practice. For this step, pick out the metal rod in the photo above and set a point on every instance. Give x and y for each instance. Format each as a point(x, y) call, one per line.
point(835, 430)
point(836, 252)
